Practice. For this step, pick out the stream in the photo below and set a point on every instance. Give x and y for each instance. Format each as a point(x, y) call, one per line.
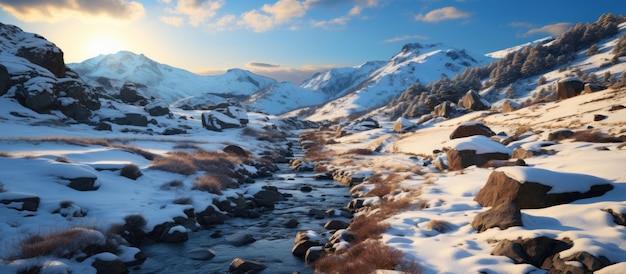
point(274, 242)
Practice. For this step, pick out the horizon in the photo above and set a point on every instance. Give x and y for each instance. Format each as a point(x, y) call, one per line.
point(290, 40)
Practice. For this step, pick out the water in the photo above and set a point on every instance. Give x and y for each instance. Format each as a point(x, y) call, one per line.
point(273, 241)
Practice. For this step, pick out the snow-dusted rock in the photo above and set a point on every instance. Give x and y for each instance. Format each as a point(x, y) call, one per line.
point(470, 129)
point(305, 240)
point(157, 108)
point(403, 125)
point(445, 109)
point(502, 216)
point(474, 150)
point(239, 265)
point(538, 188)
point(569, 87)
point(472, 100)
point(20, 201)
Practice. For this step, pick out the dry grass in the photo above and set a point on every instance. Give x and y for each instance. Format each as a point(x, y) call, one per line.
point(592, 136)
point(364, 257)
point(86, 141)
point(186, 163)
point(176, 184)
point(367, 227)
point(214, 183)
point(359, 151)
point(65, 244)
point(389, 208)
point(439, 226)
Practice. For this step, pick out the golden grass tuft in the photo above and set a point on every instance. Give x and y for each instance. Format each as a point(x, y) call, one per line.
point(214, 183)
point(65, 244)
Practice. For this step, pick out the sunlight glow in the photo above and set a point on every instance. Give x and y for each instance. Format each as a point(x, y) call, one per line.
point(103, 45)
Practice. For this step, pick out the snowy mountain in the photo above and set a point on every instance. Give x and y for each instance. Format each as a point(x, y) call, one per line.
point(374, 84)
point(504, 52)
point(172, 84)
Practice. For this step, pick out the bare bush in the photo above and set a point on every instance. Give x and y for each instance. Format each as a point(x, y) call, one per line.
point(131, 171)
point(439, 226)
point(213, 183)
point(65, 244)
point(364, 257)
point(135, 221)
point(176, 184)
point(367, 227)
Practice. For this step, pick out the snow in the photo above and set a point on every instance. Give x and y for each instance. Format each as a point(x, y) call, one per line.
point(480, 144)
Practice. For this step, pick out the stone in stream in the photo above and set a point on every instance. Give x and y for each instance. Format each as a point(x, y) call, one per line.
point(239, 265)
point(239, 239)
point(202, 254)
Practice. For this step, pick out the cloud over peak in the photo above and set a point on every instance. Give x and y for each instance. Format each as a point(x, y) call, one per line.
point(447, 13)
point(54, 11)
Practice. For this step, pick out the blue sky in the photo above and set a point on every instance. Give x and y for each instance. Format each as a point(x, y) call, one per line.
point(290, 39)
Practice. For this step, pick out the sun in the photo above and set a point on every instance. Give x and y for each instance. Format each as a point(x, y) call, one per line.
point(103, 45)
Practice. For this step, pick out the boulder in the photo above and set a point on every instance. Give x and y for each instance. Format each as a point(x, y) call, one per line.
point(445, 109)
point(508, 106)
point(240, 239)
point(173, 131)
point(20, 201)
point(532, 251)
point(336, 224)
point(107, 263)
point(367, 123)
point(210, 216)
point(591, 88)
point(131, 171)
point(472, 100)
point(313, 253)
point(241, 266)
point(216, 121)
point(619, 217)
point(569, 87)
point(157, 108)
point(83, 183)
point(538, 188)
point(291, 223)
point(169, 232)
point(503, 216)
point(304, 240)
point(129, 94)
point(471, 129)
point(235, 150)
point(475, 150)
point(5, 80)
point(44, 54)
point(129, 119)
point(403, 125)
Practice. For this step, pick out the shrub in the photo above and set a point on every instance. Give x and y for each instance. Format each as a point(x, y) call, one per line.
point(367, 227)
point(135, 221)
point(439, 226)
point(364, 257)
point(65, 244)
point(214, 183)
point(131, 171)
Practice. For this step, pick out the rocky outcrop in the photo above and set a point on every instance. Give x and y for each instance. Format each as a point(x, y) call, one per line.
point(20, 201)
point(224, 118)
point(569, 87)
point(508, 106)
point(472, 100)
point(241, 266)
point(129, 119)
point(560, 134)
point(471, 129)
point(157, 108)
point(532, 251)
point(591, 88)
point(305, 240)
point(502, 216)
point(129, 94)
point(445, 110)
point(538, 188)
point(38, 79)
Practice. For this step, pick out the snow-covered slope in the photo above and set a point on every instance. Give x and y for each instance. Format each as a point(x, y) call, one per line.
point(173, 84)
point(504, 52)
point(376, 83)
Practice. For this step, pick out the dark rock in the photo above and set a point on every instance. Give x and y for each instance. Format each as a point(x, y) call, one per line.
point(174, 131)
point(528, 251)
point(368, 123)
point(617, 107)
point(235, 150)
point(591, 87)
point(336, 224)
point(313, 253)
point(471, 129)
point(291, 223)
point(503, 216)
point(104, 126)
point(130, 119)
point(158, 108)
point(109, 266)
point(241, 266)
point(500, 188)
point(569, 87)
point(216, 121)
point(402, 125)
point(210, 216)
point(83, 183)
point(46, 55)
point(25, 201)
point(472, 100)
point(169, 232)
point(323, 176)
point(240, 239)
point(129, 93)
point(316, 213)
point(269, 195)
point(590, 262)
point(618, 217)
point(303, 241)
point(599, 117)
point(5, 80)
point(458, 160)
point(306, 189)
point(355, 205)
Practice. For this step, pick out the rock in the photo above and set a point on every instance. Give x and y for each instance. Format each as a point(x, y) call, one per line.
point(103, 126)
point(533, 149)
point(269, 195)
point(240, 239)
point(475, 150)
point(472, 100)
point(529, 251)
point(157, 108)
point(313, 253)
point(538, 188)
point(589, 261)
point(104, 265)
point(471, 129)
point(20, 201)
point(569, 87)
point(336, 224)
point(291, 223)
point(323, 176)
point(616, 107)
point(210, 216)
point(591, 88)
point(131, 171)
point(202, 254)
point(508, 106)
point(599, 117)
point(44, 54)
point(129, 94)
point(235, 150)
point(305, 240)
point(241, 266)
point(560, 134)
point(217, 121)
point(83, 183)
point(5, 80)
point(316, 213)
point(403, 125)
point(355, 205)
point(503, 216)
point(367, 123)
point(169, 232)
point(174, 131)
point(445, 109)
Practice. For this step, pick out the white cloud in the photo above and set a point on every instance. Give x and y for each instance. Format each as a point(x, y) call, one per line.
point(270, 16)
point(554, 29)
point(405, 38)
point(54, 11)
point(447, 13)
point(172, 20)
point(196, 11)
